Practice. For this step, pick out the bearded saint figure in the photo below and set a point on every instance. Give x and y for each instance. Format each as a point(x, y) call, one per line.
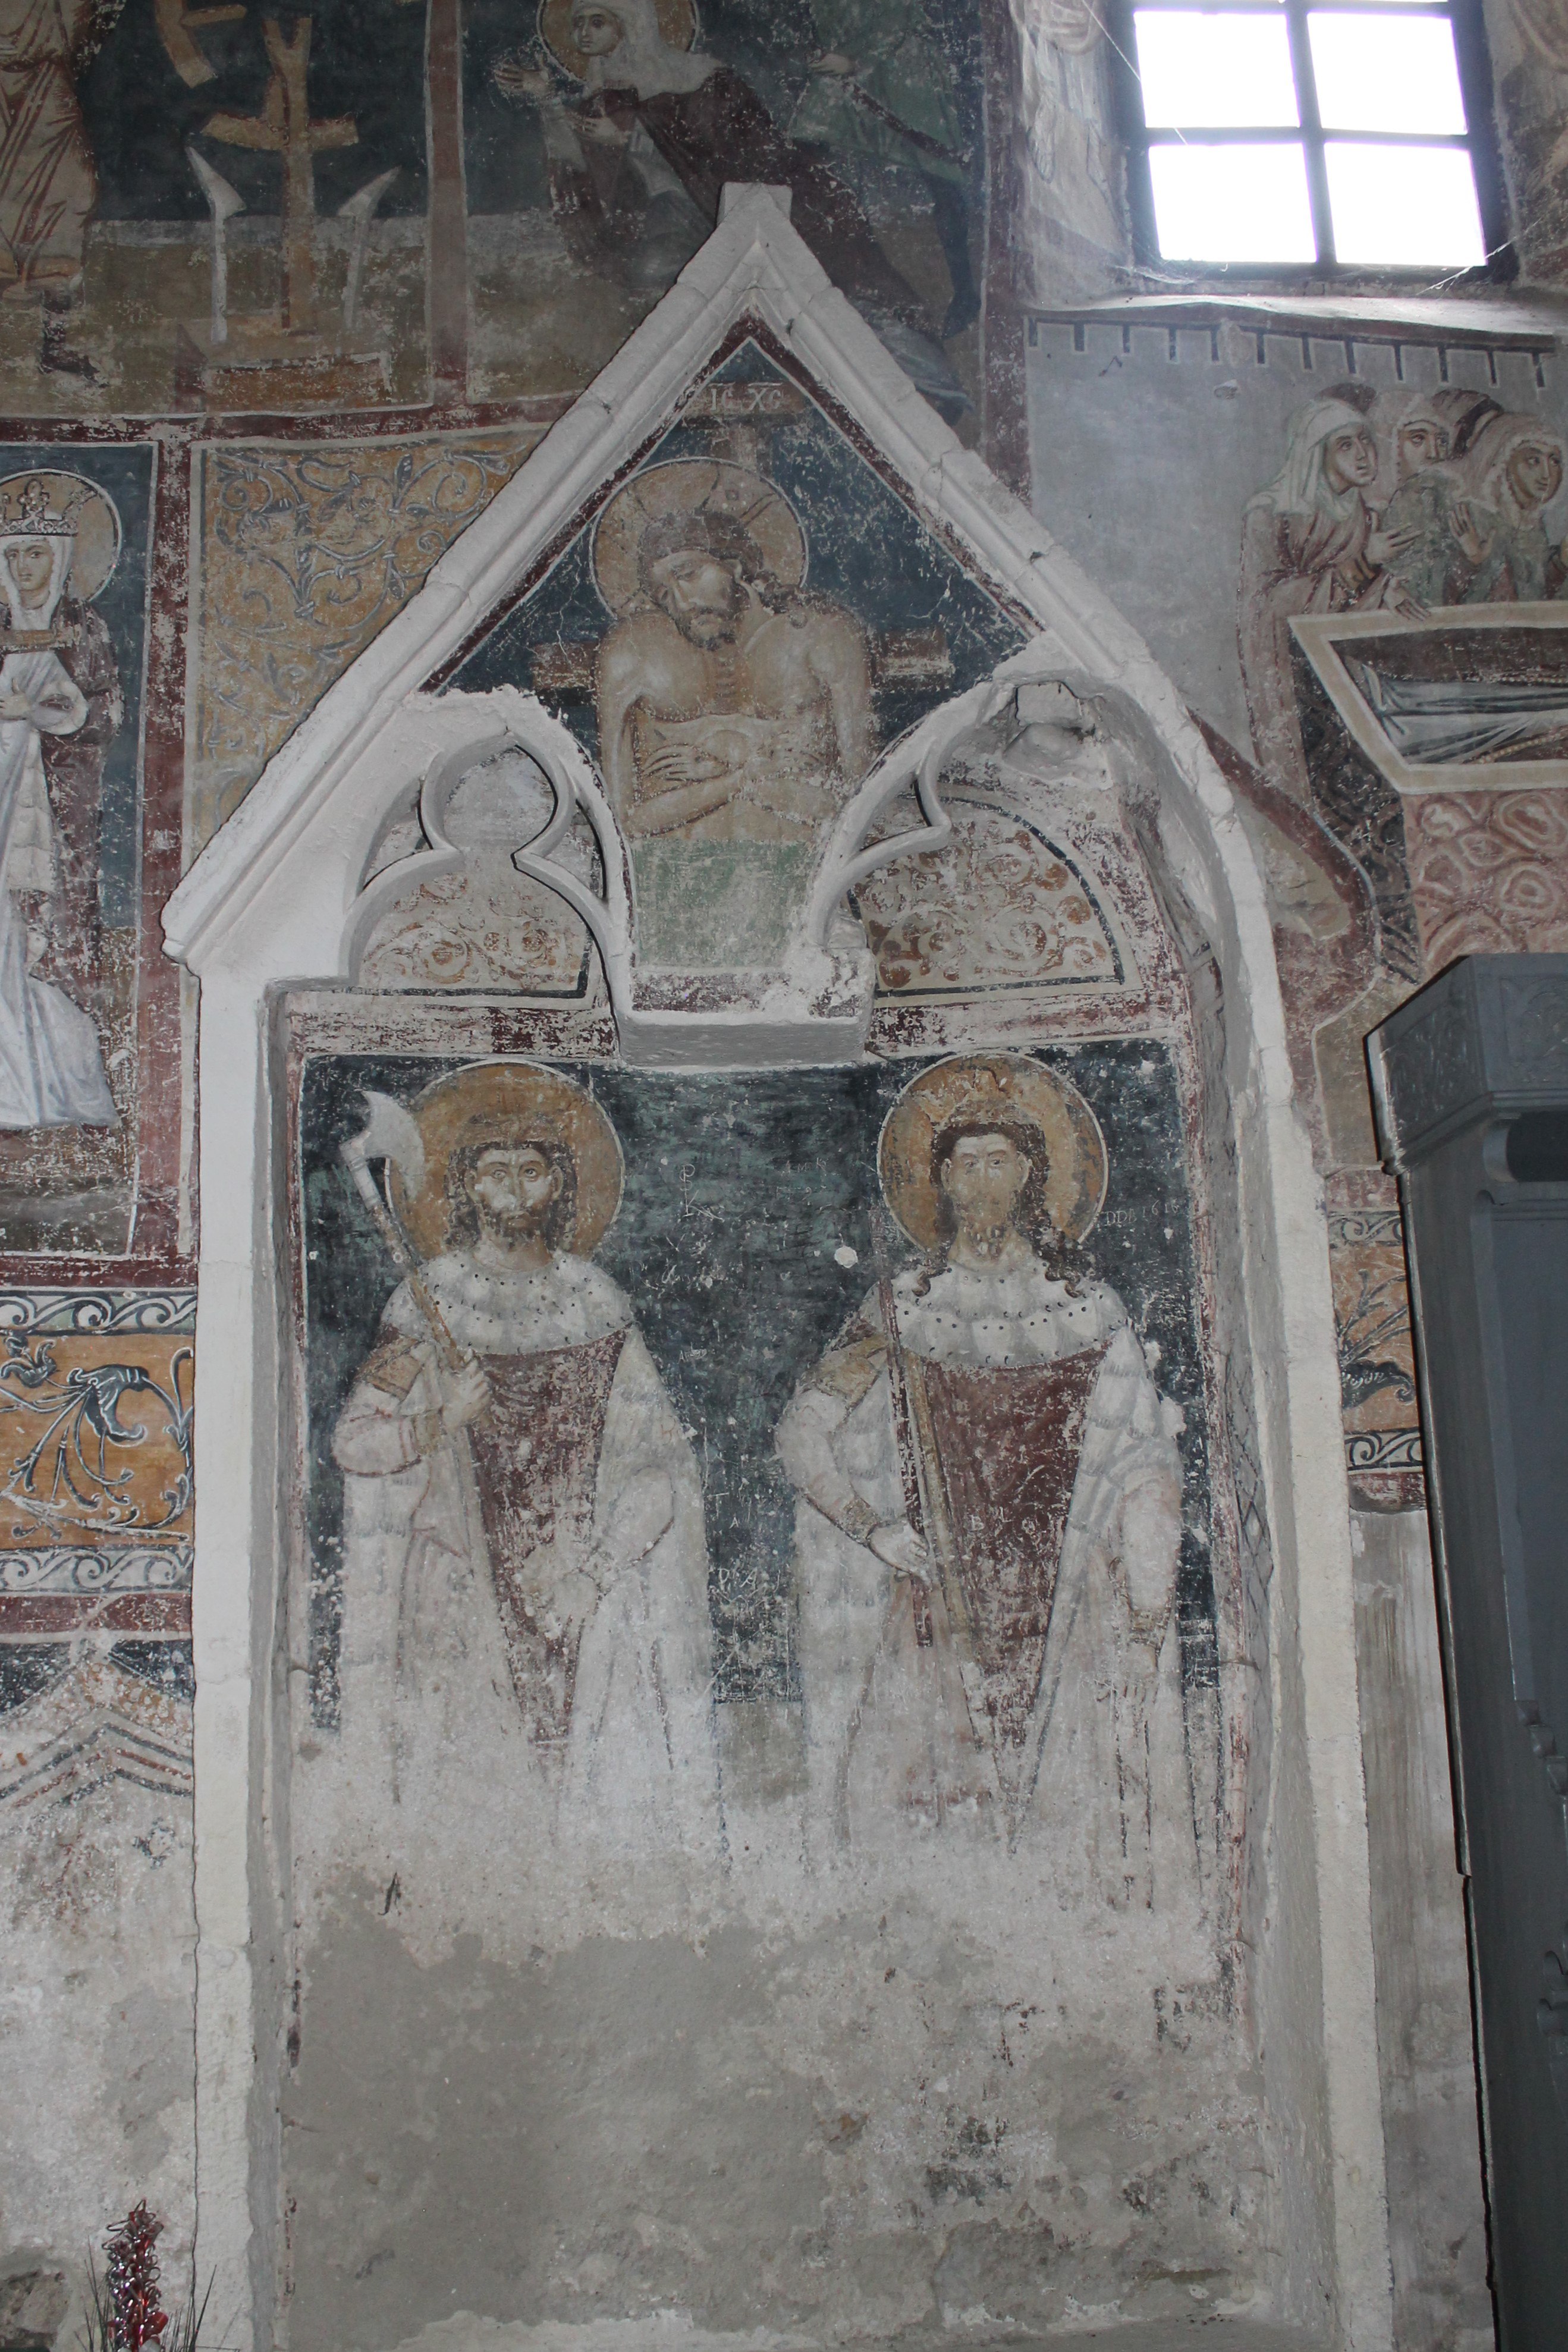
point(51, 1066)
point(1310, 543)
point(990, 1516)
point(1429, 511)
point(731, 708)
point(735, 711)
point(523, 1513)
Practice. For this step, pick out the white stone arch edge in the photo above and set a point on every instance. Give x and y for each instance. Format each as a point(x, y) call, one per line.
point(269, 904)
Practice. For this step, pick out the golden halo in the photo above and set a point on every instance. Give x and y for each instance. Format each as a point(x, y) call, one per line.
point(95, 514)
point(677, 22)
point(1005, 1086)
point(495, 1097)
point(682, 486)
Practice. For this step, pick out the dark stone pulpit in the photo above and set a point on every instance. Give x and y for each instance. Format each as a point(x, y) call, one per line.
point(1471, 1080)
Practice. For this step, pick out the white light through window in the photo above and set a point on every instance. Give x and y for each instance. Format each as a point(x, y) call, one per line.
point(1386, 73)
point(1232, 203)
point(1404, 206)
point(1214, 70)
point(1291, 132)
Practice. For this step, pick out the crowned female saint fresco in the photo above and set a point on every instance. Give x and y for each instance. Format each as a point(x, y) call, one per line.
point(51, 1066)
point(526, 1571)
point(990, 1515)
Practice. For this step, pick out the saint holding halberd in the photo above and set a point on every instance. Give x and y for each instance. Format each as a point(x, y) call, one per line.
point(523, 1514)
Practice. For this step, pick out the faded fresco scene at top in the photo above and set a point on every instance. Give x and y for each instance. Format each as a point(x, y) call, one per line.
point(220, 209)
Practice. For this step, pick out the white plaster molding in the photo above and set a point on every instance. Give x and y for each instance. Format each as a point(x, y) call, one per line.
point(272, 900)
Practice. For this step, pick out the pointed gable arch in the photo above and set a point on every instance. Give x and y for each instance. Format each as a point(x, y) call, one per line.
point(287, 894)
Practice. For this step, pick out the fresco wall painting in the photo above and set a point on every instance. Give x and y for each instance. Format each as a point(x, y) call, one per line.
point(693, 1418)
point(761, 1545)
point(776, 1512)
point(270, 214)
point(1399, 635)
point(752, 615)
point(96, 1691)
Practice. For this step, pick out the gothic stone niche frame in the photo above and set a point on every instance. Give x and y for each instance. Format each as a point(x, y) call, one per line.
point(270, 902)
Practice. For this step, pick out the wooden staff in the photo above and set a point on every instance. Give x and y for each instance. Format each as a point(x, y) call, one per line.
point(920, 1467)
point(389, 1226)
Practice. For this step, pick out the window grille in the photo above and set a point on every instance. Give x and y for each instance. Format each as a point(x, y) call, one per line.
point(1312, 135)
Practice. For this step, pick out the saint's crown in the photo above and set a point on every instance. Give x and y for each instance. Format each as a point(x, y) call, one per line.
point(28, 511)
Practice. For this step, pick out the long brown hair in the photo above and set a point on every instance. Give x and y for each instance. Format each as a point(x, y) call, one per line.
point(1031, 1211)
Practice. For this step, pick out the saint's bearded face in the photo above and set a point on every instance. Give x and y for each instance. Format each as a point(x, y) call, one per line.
point(699, 593)
point(983, 1176)
point(513, 1189)
point(1422, 444)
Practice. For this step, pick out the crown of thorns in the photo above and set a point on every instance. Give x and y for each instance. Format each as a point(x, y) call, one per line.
point(715, 533)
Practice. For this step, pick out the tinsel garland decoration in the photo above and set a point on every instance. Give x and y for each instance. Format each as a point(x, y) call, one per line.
point(133, 2282)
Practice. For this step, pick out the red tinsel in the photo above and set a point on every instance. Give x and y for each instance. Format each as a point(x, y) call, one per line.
point(133, 2282)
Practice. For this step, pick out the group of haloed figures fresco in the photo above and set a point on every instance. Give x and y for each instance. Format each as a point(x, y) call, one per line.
point(988, 1516)
point(1440, 501)
point(642, 127)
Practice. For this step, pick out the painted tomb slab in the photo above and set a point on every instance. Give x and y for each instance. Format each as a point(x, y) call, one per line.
point(777, 1503)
